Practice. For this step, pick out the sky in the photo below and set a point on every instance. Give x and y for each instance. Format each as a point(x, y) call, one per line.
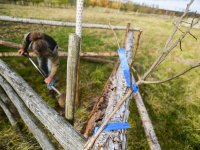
point(177, 5)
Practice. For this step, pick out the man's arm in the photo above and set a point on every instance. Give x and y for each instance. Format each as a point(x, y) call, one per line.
point(55, 65)
point(25, 44)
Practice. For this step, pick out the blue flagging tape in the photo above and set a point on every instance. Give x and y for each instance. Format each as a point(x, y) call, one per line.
point(126, 69)
point(114, 126)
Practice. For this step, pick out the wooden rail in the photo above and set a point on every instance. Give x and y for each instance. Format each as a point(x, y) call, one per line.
point(61, 53)
point(63, 132)
point(38, 132)
point(61, 23)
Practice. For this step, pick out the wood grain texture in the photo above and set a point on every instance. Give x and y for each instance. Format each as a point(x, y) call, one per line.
point(71, 82)
point(60, 23)
point(65, 134)
point(31, 123)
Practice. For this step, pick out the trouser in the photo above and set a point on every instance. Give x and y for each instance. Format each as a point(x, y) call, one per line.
point(45, 65)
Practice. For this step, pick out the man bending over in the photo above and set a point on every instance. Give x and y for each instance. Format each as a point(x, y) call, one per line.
point(46, 49)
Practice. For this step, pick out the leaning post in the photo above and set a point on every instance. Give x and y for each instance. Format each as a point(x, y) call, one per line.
point(72, 89)
point(72, 64)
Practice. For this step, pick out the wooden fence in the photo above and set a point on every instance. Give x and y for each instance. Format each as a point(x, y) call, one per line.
point(16, 88)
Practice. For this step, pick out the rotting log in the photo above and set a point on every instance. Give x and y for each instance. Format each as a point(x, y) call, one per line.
point(98, 111)
point(61, 53)
point(148, 127)
point(99, 107)
point(6, 110)
point(71, 82)
point(63, 132)
point(117, 139)
point(38, 132)
point(101, 103)
point(61, 23)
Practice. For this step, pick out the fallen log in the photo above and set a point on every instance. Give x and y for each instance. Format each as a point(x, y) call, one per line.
point(63, 132)
point(38, 132)
point(107, 139)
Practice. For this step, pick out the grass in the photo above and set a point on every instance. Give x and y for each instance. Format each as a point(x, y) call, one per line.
point(173, 106)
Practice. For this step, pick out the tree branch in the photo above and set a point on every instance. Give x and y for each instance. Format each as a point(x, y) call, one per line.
point(189, 32)
point(135, 71)
point(171, 78)
point(116, 38)
point(166, 50)
point(137, 45)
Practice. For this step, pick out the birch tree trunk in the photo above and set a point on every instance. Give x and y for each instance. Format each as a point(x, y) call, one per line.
point(117, 139)
point(146, 122)
point(65, 134)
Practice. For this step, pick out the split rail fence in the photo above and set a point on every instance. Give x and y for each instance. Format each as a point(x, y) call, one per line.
point(28, 103)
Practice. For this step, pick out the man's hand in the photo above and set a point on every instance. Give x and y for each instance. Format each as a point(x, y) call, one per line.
point(48, 80)
point(22, 52)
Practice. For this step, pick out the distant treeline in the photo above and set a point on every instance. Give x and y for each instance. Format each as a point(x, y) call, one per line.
point(48, 3)
point(93, 3)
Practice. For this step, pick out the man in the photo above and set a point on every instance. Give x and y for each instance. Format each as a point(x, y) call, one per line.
point(46, 49)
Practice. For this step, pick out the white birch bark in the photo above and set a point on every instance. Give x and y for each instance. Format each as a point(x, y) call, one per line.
point(60, 23)
point(117, 139)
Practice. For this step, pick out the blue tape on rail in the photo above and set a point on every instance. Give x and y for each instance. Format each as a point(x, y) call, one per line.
point(126, 69)
point(124, 65)
point(114, 126)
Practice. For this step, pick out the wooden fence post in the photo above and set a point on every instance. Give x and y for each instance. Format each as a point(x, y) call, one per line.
point(72, 61)
point(73, 65)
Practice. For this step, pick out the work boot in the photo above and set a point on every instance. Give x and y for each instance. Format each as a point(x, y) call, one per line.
point(52, 93)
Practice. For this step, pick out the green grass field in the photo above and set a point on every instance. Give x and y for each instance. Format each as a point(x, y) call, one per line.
point(173, 106)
